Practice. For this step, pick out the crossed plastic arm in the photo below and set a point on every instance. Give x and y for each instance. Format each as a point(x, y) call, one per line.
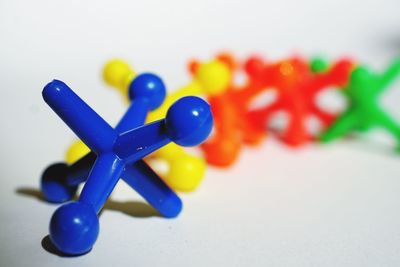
point(74, 227)
point(364, 111)
point(297, 87)
point(185, 171)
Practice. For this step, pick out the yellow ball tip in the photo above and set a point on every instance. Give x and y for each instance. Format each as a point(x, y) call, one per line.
point(214, 77)
point(118, 73)
point(186, 173)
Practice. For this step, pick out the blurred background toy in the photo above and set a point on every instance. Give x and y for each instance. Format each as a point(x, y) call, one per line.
point(364, 110)
point(296, 86)
point(229, 107)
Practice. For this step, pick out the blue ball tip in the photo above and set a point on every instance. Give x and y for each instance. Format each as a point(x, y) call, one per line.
point(150, 87)
point(53, 184)
point(74, 228)
point(189, 121)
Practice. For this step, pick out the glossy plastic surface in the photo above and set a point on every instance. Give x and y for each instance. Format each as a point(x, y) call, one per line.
point(364, 111)
point(74, 228)
point(148, 92)
point(118, 152)
point(185, 171)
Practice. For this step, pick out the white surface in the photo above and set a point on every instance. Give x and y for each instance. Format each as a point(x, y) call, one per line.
point(318, 206)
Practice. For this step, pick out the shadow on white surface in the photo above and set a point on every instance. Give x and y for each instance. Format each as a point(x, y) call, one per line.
point(132, 208)
point(49, 247)
point(135, 209)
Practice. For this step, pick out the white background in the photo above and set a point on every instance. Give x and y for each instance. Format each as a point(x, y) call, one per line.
point(333, 205)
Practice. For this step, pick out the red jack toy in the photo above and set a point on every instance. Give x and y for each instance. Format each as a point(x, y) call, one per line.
point(297, 86)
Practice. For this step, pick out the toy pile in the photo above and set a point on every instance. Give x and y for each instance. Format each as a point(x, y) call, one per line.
point(157, 127)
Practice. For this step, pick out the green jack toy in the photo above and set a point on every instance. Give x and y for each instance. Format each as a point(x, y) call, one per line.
point(364, 111)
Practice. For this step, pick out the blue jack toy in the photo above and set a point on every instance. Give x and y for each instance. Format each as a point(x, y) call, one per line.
point(60, 182)
point(116, 153)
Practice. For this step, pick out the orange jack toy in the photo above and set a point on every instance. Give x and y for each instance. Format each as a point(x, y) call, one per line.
point(231, 127)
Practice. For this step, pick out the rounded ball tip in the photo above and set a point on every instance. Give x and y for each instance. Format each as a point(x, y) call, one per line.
point(118, 73)
point(254, 65)
point(360, 78)
point(74, 228)
point(214, 77)
point(319, 65)
point(346, 65)
point(189, 121)
point(53, 184)
point(193, 66)
point(228, 59)
point(150, 87)
point(185, 172)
